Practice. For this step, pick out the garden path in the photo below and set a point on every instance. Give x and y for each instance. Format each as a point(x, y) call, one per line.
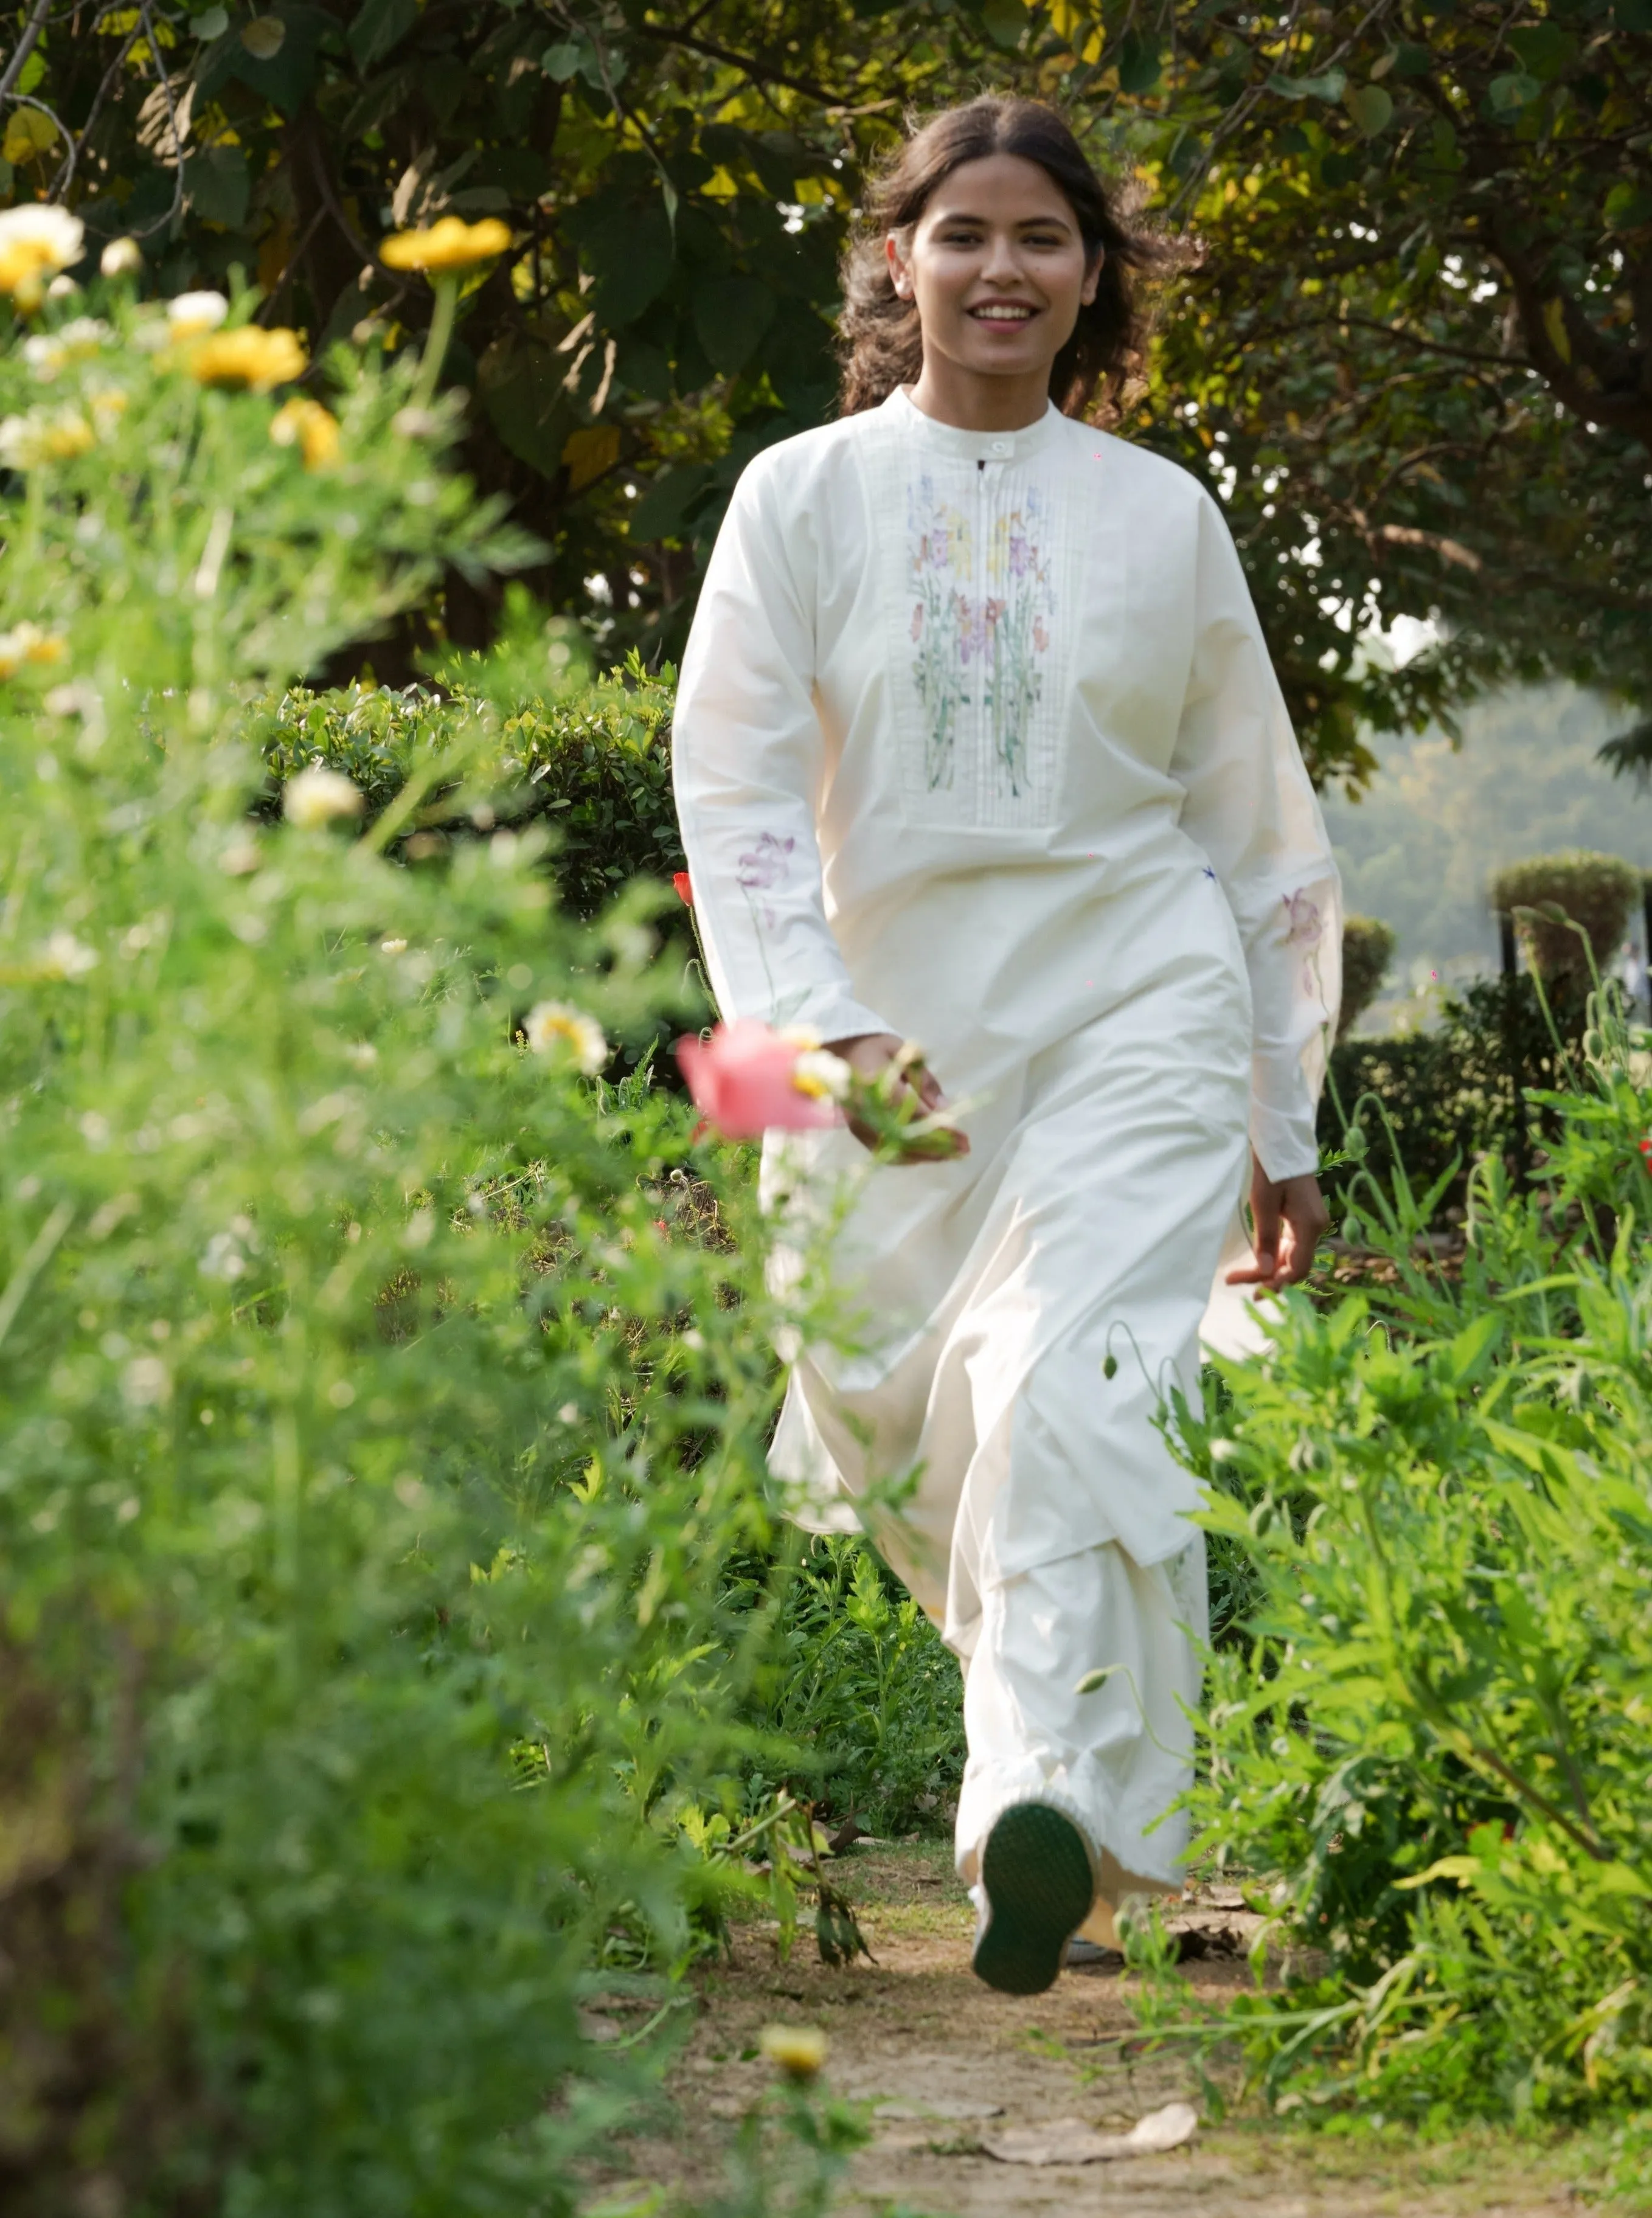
point(949, 2062)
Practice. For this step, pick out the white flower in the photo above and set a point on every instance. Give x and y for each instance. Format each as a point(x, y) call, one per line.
point(66, 956)
point(26, 442)
point(393, 946)
point(240, 858)
point(27, 642)
point(823, 1076)
point(318, 796)
point(121, 258)
point(553, 1024)
point(192, 314)
point(803, 1037)
point(146, 1383)
point(47, 352)
point(36, 241)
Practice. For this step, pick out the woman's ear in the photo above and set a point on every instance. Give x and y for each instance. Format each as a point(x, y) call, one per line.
point(900, 272)
point(1093, 275)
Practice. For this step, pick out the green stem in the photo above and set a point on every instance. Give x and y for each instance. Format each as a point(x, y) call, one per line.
point(441, 331)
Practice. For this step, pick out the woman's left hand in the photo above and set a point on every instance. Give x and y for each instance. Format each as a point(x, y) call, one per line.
point(1289, 1219)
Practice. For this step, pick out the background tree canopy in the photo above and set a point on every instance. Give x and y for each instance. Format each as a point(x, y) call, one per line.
point(1412, 356)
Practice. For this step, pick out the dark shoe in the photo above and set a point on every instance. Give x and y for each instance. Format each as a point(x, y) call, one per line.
point(1035, 1874)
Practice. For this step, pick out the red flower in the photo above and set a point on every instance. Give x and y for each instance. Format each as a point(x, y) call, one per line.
point(743, 1079)
point(684, 886)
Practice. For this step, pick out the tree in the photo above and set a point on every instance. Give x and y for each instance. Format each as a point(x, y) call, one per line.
point(1412, 359)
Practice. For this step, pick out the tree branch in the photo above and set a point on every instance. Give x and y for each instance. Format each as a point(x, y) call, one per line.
point(24, 47)
point(759, 71)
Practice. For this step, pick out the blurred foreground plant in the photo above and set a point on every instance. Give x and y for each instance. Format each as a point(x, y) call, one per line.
point(377, 1415)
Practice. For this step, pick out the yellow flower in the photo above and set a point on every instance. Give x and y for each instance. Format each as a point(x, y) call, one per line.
point(305, 424)
point(450, 244)
point(121, 258)
point(247, 356)
point(554, 1025)
point(192, 315)
point(36, 243)
point(27, 642)
point(798, 2051)
point(317, 796)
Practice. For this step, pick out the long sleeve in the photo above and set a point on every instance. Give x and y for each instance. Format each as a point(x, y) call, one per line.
point(748, 758)
point(1250, 807)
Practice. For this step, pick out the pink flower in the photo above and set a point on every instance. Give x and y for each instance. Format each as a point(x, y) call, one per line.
point(917, 618)
point(744, 1080)
point(684, 886)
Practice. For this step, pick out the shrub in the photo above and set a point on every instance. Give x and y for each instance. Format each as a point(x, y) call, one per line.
point(590, 764)
point(1595, 892)
point(379, 1410)
point(1367, 951)
point(1432, 1753)
point(1431, 1105)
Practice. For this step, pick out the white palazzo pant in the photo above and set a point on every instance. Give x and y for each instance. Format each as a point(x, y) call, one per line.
point(1060, 1274)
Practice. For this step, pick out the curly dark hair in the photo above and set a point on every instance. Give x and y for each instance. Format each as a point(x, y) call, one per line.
point(878, 335)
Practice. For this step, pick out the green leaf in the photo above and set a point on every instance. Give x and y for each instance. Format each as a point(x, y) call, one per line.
point(1628, 207)
point(1468, 1352)
point(1371, 107)
point(211, 24)
point(218, 185)
point(1005, 22)
point(631, 260)
point(380, 25)
point(730, 317)
point(520, 386)
point(667, 501)
point(1139, 63)
point(1329, 87)
point(1543, 49)
point(1515, 88)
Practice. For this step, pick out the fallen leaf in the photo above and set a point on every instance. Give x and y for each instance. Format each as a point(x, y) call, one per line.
point(1070, 2140)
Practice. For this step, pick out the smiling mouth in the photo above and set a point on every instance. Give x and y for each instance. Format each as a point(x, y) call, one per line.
point(1003, 311)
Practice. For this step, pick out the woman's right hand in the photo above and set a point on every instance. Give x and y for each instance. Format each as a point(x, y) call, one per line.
point(870, 1054)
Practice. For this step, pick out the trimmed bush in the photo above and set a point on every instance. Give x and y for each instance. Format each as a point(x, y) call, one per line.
point(1596, 892)
point(1367, 951)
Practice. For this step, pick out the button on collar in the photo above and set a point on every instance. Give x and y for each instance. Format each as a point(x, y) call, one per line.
point(1000, 446)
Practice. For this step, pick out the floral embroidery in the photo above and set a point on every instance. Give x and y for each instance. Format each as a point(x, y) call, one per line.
point(1305, 928)
point(979, 648)
point(765, 866)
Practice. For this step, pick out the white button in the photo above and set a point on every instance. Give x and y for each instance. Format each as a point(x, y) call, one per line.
point(998, 446)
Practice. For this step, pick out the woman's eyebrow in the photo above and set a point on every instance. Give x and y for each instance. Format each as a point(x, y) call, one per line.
point(1022, 223)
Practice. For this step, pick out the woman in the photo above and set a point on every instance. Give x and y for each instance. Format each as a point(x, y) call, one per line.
point(977, 743)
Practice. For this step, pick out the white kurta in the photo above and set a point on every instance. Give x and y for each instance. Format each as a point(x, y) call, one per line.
point(977, 742)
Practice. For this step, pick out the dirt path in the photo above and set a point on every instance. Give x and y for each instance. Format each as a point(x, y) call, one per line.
point(946, 2062)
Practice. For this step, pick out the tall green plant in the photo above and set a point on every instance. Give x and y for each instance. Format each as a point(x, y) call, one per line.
point(378, 1410)
point(1432, 1755)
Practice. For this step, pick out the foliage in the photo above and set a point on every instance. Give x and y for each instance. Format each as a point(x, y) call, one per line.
point(1417, 347)
point(381, 1405)
point(1420, 848)
point(1434, 1755)
point(859, 1683)
point(1413, 360)
point(1570, 911)
point(1434, 1104)
point(1367, 951)
point(591, 765)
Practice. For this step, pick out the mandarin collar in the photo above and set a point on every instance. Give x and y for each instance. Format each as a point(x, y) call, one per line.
point(972, 446)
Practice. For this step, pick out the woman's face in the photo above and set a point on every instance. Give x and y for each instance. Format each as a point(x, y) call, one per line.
point(997, 267)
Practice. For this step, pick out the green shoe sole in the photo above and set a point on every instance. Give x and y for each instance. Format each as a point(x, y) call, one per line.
point(1036, 1876)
